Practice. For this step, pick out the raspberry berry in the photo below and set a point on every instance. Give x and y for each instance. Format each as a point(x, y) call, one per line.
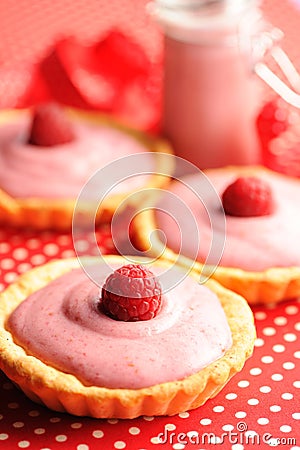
point(50, 126)
point(248, 197)
point(131, 293)
point(272, 120)
point(278, 126)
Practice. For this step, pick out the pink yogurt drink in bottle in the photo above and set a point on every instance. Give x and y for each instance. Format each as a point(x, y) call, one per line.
point(212, 94)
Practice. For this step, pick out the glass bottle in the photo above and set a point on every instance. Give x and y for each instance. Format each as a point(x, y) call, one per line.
point(213, 65)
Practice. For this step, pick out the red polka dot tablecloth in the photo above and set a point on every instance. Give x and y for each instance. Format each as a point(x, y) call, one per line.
point(259, 407)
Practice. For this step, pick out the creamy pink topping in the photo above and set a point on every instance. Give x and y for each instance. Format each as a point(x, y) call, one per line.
point(61, 325)
point(61, 171)
point(252, 243)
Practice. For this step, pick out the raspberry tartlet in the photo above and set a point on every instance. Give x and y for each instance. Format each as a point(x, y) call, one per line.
point(261, 257)
point(48, 153)
point(92, 349)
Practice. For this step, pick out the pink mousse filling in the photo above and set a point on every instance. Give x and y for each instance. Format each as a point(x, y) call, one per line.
point(61, 171)
point(61, 325)
point(252, 243)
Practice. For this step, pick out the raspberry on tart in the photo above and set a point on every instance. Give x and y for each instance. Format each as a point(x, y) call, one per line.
point(248, 196)
point(50, 126)
point(71, 357)
point(131, 293)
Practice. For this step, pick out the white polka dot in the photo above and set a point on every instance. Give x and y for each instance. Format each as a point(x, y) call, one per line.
point(51, 249)
point(4, 247)
point(260, 315)
point(240, 414)
point(291, 310)
point(9, 277)
point(32, 243)
point(218, 408)
point(297, 326)
point(280, 320)
point(269, 331)
point(265, 389)
point(98, 434)
point(119, 444)
point(7, 263)
point(253, 401)
point(61, 438)
point(82, 447)
point(170, 426)
point(192, 434)
point(287, 396)
point(38, 259)
point(267, 359)
point(39, 431)
point(63, 239)
point(237, 447)
point(288, 365)
point(134, 431)
point(69, 254)
point(255, 371)
point(34, 413)
point(277, 377)
point(55, 419)
point(290, 337)
point(231, 396)
point(296, 384)
point(278, 348)
point(13, 405)
point(3, 436)
point(285, 428)
point(262, 421)
point(23, 444)
point(113, 421)
point(20, 253)
point(148, 418)
point(81, 245)
point(1, 416)
point(227, 427)
point(76, 425)
point(275, 408)
point(184, 415)
point(155, 440)
point(205, 421)
point(178, 446)
point(297, 354)
point(296, 416)
point(18, 424)
point(259, 342)
point(243, 383)
point(24, 267)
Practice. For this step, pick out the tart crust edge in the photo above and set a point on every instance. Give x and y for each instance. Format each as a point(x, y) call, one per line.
point(64, 392)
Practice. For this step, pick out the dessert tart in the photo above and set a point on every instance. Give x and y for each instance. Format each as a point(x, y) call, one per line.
point(48, 154)
point(68, 343)
point(261, 257)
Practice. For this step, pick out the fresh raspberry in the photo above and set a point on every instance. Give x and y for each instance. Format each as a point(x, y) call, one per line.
point(50, 126)
point(272, 120)
point(248, 197)
point(131, 293)
point(278, 126)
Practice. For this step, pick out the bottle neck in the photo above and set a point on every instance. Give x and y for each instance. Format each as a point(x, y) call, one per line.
point(208, 22)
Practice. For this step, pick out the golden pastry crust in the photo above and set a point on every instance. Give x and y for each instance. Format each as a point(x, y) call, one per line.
point(64, 392)
point(58, 214)
point(269, 286)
